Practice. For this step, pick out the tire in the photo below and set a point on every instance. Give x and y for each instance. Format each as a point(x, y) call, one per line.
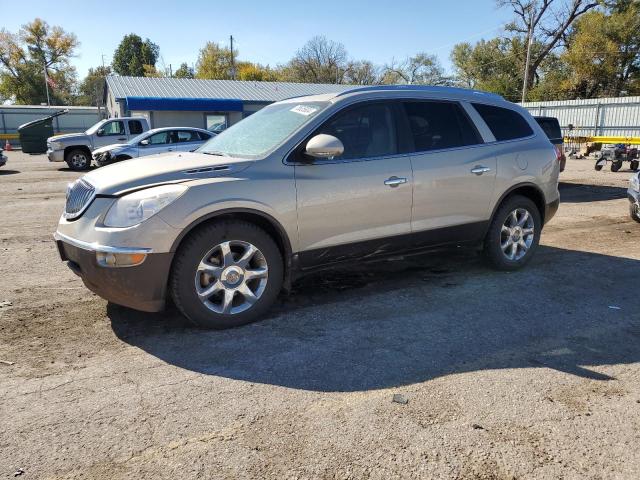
point(634, 165)
point(206, 243)
point(78, 159)
point(496, 237)
point(598, 167)
point(615, 166)
point(634, 211)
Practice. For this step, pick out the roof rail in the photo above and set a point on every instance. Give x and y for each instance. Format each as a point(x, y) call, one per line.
point(422, 88)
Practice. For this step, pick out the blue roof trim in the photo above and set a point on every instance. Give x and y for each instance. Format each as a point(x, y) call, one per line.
point(185, 104)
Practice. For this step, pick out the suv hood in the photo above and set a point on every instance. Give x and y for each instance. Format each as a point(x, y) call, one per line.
point(170, 167)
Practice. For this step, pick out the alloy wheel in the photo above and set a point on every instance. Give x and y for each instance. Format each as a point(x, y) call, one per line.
point(231, 277)
point(517, 234)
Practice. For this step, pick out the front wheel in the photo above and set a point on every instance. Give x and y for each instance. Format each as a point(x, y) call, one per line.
point(634, 211)
point(634, 165)
point(615, 166)
point(78, 159)
point(226, 274)
point(513, 234)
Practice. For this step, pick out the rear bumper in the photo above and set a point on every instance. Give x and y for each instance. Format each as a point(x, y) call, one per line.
point(550, 210)
point(55, 155)
point(141, 287)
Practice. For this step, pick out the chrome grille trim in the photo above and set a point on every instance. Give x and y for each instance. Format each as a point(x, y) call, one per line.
point(80, 194)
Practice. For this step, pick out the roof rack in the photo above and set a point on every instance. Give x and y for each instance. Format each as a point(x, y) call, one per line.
point(422, 88)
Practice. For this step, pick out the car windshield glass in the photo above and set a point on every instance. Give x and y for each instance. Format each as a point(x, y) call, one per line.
point(263, 131)
point(137, 139)
point(93, 129)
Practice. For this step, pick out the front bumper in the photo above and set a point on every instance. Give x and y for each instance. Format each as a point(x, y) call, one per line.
point(55, 155)
point(142, 287)
point(633, 196)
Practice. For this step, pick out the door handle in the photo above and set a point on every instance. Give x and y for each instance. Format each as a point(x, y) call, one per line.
point(394, 181)
point(170, 149)
point(122, 139)
point(479, 169)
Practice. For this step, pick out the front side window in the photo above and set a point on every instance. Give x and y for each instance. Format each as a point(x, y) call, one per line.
point(113, 128)
point(366, 131)
point(257, 135)
point(438, 125)
point(505, 124)
point(159, 138)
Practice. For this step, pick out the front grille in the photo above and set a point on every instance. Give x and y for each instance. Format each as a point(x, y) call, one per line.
point(79, 195)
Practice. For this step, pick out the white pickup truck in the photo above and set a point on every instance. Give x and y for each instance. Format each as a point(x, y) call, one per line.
point(76, 148)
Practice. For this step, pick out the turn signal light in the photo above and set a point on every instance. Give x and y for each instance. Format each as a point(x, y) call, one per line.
point(120, 259)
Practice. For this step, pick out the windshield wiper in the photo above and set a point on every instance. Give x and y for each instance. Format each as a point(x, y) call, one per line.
point(217, 154)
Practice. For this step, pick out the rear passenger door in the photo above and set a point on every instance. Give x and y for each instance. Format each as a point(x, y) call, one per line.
point(454, 172)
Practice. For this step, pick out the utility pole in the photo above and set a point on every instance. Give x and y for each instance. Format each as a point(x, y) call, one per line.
point(526, 65)
point(233, 63)
point(46, 83)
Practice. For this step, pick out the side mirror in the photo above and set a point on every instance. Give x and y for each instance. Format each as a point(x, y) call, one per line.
point(100, 132)
point(324, 146)
point(144, 142)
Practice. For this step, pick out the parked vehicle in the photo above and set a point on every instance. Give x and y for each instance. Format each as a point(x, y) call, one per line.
point(551, 127)
point(307, 183)
point(633, 193)
point(3, 158)
point(616, 154)
point(157, 140)
point(76, 148)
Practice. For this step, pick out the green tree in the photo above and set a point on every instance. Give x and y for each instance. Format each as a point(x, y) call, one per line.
point(215, 62)
point(133, 54)
point(420, 69)
point(604, 52)
point(92, 87)
point(25, 56)
point(184, 71)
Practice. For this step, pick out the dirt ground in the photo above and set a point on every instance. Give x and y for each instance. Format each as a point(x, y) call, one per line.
point(533, 374)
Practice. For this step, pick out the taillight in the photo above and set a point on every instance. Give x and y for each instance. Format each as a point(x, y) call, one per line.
point(558, 152)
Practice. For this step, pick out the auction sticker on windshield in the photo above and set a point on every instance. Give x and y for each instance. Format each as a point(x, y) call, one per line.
point(304, 110)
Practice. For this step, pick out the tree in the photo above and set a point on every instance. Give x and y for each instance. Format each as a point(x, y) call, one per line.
point(256, 72)
point(545, 23)
point(604, 52)
point(362, 72)
point(420, 69)
point(133, 54)
point(25, 56)
point(92, 87)
point(215, 62)
point(184, 71)
point(319, 61)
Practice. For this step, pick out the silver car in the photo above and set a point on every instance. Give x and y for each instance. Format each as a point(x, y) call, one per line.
point(310, 182)
point(158, 140)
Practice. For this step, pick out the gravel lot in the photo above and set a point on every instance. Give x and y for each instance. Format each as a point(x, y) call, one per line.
point(533, 374)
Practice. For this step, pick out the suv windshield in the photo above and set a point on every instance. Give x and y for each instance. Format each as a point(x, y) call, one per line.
point(263, 131)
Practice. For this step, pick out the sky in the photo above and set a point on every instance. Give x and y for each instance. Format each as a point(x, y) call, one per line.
point(265, 32)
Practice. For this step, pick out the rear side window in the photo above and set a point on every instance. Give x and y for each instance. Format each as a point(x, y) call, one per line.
point(550, 126)
point(204, 136)
point(135, 127)
point(505, 124)
point(437, 125)
point(188, 136)
point(366, 131)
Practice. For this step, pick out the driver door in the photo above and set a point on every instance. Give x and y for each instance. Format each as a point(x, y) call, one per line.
point(157, 143)
point(359, 203)
point(110, 133)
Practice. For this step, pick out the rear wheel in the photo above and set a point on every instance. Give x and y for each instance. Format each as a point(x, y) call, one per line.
point(615, 166)
point(634, 165)
point(78, 159)
point(513, 234)
point(226, 274)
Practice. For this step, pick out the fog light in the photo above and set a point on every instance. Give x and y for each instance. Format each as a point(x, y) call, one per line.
point(120, 259)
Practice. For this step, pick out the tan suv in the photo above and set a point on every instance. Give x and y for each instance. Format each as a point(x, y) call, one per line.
point(310, 182)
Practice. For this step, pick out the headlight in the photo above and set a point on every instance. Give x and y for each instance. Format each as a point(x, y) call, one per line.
point(56, 146)
point(635, 183)
point(139, 206)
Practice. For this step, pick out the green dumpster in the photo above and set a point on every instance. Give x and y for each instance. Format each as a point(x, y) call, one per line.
point(34, 134)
